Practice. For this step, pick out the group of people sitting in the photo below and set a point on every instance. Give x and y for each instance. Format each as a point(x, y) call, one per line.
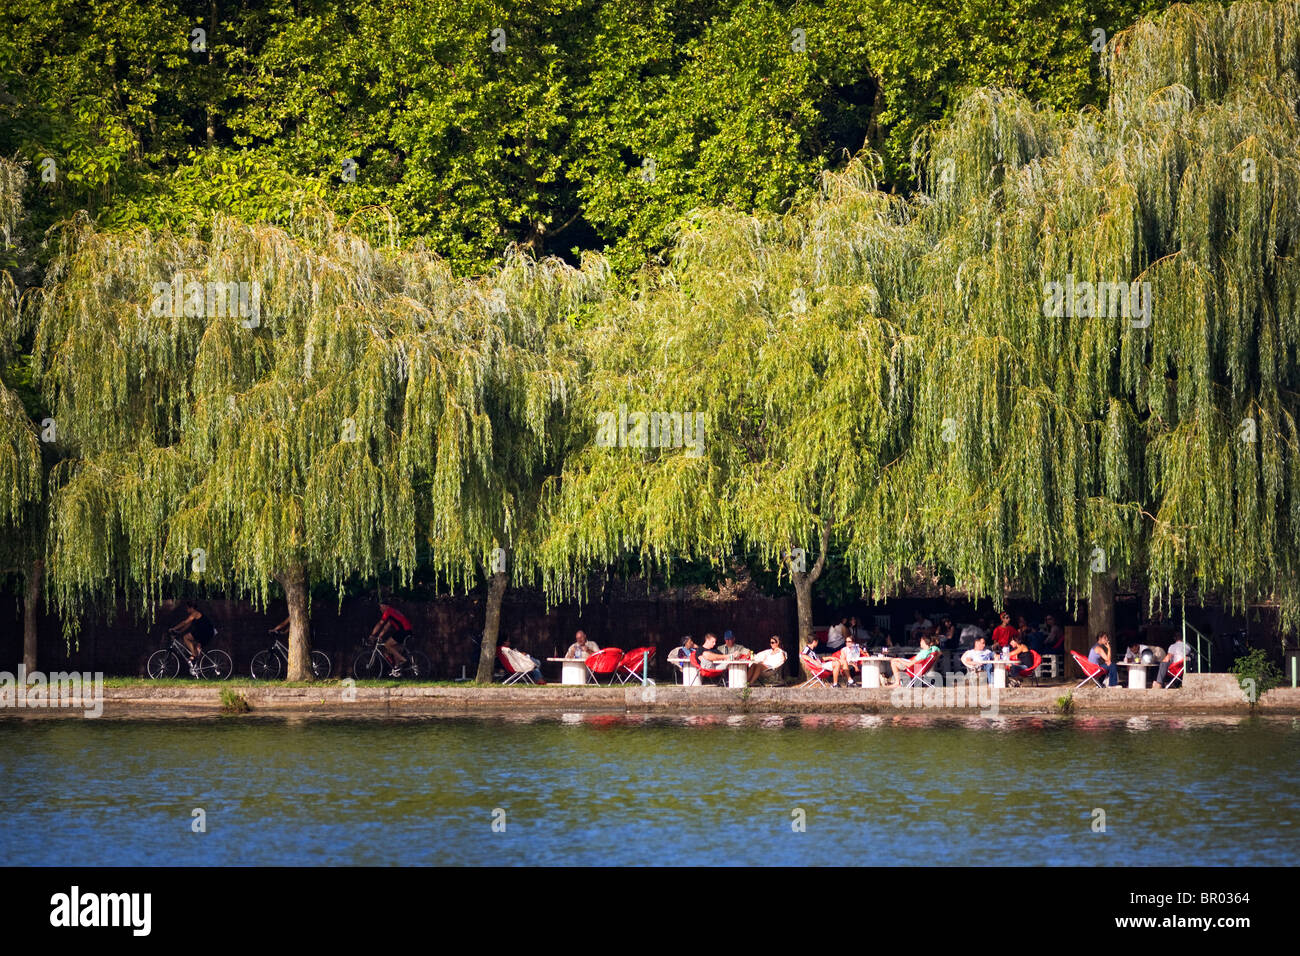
point(979, 659)
point(765, 663)
point(844, 661)
point(1138, 653)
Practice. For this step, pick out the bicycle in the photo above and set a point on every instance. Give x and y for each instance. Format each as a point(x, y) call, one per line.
point(270, 663)
point(213, 664)
point(373, 662)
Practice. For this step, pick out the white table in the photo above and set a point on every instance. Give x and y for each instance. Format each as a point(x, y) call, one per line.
point(871, 670)
point(1137, 675)
point(691, 675)
point(738, 672)
point(1000, 671)
point(574, 671)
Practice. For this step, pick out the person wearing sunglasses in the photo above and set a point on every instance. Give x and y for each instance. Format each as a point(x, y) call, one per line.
point(768, 661)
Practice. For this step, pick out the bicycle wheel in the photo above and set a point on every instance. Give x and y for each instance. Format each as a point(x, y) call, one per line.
point(418, 665)
point(215, 665)
point(321, 665)
point(162, 664)
point(265, 666)
point(368, 665)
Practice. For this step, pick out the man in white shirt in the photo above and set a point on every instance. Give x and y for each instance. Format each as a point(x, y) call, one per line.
point(581, 648)
point(1178, 651)
point(977, 659)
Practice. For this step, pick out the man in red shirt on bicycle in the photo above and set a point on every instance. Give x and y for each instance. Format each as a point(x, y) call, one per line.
point(391, 626)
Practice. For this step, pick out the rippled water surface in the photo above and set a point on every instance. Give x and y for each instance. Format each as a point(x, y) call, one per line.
point(593, 789)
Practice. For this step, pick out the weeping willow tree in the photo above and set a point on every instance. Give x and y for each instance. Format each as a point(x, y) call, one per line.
point(1110, 308)
point(22, 472)
point(1077, 353)
point(289, 406)
point(750, 399)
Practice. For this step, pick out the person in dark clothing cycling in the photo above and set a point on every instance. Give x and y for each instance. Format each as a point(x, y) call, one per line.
point(194, 630)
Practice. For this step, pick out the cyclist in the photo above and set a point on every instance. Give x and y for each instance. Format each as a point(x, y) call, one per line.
point(391, 626)
point(194, 629)
point(281, 628)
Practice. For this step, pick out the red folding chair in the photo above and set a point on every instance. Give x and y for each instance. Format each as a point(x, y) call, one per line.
point(918, 671)
point(705, 672)
point(1032, 670)
point(816, 671)
point(629, 668)
point(604, 664)
point(512, 675)
point(1090, 670)
point(1175, 672)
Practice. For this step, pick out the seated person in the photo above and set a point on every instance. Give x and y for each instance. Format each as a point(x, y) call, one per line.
point(835, 636)
point(850, 655)
point(730, 648)
point(946, 635)
point(521, 662)
point(768, 661)
point(1054, 639)
point(900, 665)
point(881, 638)
point(977, 659)
point(1100, 655)
point(1135, 651)
point(1178, 651)
point(860, 633)
point(581, 648)
point(833, 664)
point(709, 654)
point(1023, 659)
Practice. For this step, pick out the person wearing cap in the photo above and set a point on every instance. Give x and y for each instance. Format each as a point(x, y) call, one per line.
point(731, 648)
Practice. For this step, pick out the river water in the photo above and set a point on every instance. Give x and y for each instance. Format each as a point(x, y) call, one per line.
point(613, 789)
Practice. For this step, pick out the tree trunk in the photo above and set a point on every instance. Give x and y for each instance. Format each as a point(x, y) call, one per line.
point(1101, 606)
point(491, 626)
point(30, 598)
point(294, 582)
point(803, 599)
point(803, 584)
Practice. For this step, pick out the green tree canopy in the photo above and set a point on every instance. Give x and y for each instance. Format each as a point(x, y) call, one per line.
point(361, 403)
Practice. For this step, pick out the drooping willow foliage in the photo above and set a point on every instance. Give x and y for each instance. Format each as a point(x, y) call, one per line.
point(1079, 349)
point(372, 411)
point(21, 475)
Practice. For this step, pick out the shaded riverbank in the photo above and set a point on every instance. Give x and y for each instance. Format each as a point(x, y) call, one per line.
point(1204, 694)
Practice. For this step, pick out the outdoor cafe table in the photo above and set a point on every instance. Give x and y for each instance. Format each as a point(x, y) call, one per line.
point(871, 669)
point(574, 671)
point(1137, 674)
point(1000, 671)
point(738, 671)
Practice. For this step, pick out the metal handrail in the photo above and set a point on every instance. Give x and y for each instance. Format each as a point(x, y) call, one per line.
point(1209, 647)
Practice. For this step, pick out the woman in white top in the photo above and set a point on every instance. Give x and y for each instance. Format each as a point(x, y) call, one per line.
point(768, 660)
